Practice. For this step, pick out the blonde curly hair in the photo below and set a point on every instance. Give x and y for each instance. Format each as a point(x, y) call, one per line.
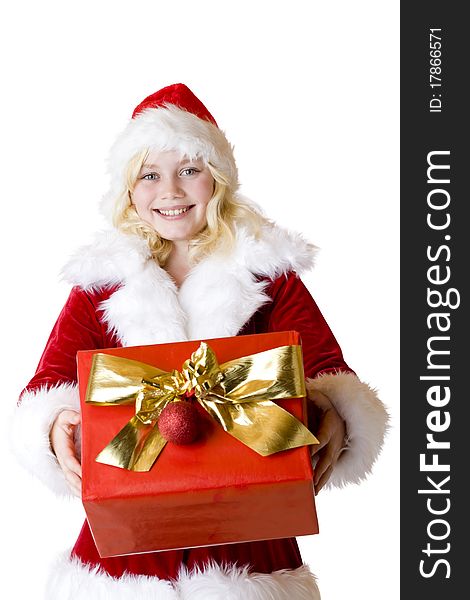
point(224, 211)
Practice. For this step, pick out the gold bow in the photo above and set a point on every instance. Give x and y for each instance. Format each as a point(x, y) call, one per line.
point(238, 394)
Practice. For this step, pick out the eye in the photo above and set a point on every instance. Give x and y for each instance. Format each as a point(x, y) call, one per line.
point(189, 171)
point(150, 176)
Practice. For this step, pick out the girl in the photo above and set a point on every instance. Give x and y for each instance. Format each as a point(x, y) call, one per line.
point(188, 258)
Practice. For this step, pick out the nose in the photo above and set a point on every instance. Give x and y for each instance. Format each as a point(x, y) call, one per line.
point(170, 188)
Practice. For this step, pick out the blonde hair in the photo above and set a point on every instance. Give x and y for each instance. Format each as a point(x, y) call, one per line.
point(223, 212)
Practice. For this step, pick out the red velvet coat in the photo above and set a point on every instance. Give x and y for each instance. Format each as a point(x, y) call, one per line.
point(130, 301)
point(79, 328)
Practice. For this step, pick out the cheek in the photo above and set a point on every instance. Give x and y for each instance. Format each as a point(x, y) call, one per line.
point(205, 190)
point(140, 199)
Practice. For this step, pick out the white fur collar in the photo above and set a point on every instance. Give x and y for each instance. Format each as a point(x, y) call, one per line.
point(218, 297)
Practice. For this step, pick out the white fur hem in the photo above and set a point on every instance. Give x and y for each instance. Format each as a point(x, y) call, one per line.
point(232, 583)
point(72, 580)
point(366, 422)
point(31, 423)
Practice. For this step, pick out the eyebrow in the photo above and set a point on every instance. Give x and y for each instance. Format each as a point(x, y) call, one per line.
point(183, 162)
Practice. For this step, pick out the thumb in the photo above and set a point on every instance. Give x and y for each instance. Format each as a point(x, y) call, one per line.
point(74, 418)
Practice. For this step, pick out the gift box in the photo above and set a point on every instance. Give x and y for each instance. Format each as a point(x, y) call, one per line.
point(216, 490)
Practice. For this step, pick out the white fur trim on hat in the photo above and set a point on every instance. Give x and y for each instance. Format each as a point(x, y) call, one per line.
point(366, 422)
point(165, 129)
point(72, 580)
point(31, 423)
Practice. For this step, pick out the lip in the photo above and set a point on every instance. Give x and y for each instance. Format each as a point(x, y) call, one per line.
point(174, 207)
point(173, 217)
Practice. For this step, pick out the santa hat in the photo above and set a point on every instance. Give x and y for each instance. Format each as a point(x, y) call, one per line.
point(171, 119)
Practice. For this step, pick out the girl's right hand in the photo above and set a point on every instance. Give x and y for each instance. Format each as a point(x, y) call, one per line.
point(63, 445)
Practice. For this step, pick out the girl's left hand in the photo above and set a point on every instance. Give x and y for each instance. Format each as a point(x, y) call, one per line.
point(330, 430)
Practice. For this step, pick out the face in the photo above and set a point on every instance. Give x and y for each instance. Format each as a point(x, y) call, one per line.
point(172, 193)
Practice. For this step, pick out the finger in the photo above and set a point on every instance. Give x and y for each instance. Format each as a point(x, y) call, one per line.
point(74, 482)
point(68, 419)
point(326, 460)
point(323, 479)
point(64, 448)
point(315, 448)
point(66, 456)
point(75, 419)
point(323, 436)
point(327, 429)
point(323, 464)
point(67, 459)
point(73, 464)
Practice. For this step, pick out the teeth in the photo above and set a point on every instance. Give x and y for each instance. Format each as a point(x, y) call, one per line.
point(174, 213)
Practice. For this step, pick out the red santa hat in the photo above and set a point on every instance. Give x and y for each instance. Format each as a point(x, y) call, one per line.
point(172, 118)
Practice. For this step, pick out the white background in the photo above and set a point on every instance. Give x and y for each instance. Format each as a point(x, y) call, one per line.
point(307, 91)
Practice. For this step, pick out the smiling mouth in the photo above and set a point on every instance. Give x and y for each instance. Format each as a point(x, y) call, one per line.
point(173, 212)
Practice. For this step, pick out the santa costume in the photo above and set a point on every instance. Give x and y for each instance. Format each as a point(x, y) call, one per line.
point(121, 297)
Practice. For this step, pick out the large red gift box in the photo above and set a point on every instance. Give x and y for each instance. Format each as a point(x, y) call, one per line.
point(213, 491)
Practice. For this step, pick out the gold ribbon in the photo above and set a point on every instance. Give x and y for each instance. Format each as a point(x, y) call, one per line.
point(238, 394)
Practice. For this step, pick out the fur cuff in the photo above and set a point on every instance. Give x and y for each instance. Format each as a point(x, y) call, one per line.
point(366, 422)
point(72, 580)
point(31, 423)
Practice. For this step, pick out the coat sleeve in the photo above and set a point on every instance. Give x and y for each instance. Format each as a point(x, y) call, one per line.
point(293, 308)
point(54, 388)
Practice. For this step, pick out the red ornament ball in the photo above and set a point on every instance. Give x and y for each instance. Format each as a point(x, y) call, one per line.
point(179, 422)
